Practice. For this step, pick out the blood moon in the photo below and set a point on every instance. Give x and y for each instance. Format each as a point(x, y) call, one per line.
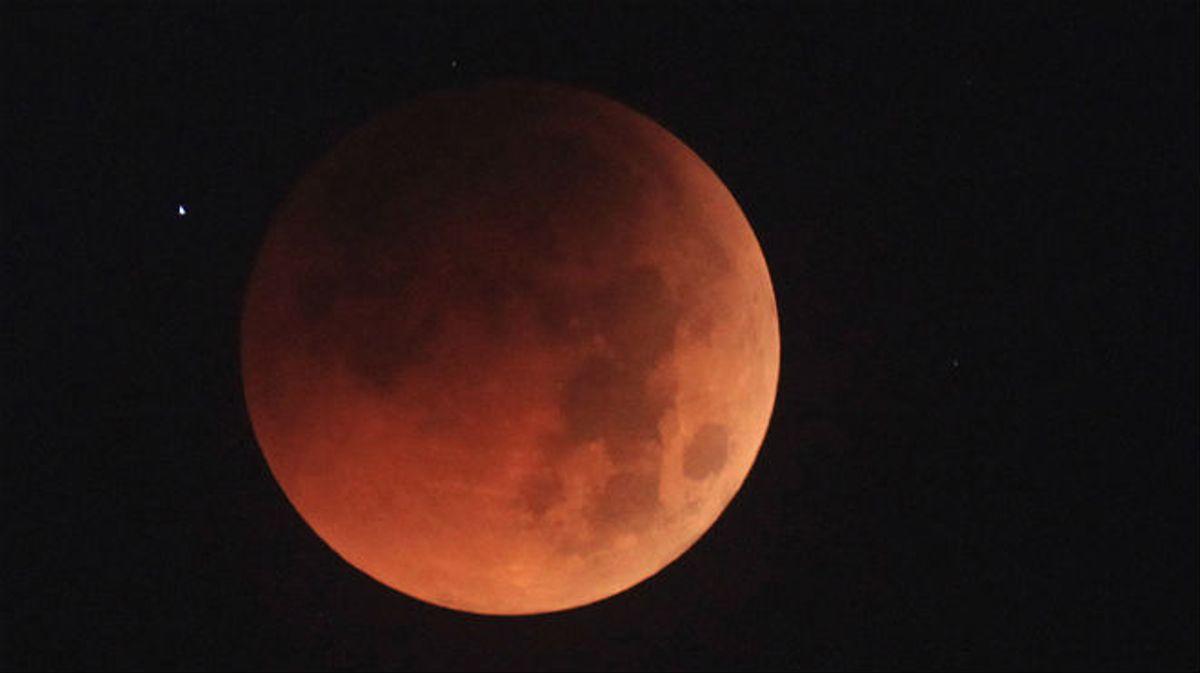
point(510, 349)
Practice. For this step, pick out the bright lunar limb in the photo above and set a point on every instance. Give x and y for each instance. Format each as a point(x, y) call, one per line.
point(510, 349)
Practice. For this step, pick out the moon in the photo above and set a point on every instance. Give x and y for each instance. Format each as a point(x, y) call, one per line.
point(510, 349)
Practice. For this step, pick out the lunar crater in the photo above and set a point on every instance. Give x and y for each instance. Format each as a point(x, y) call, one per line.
point(706, 452)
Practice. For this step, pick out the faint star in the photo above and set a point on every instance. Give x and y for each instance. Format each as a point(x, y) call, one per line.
point(954, 363)
point(454, 64)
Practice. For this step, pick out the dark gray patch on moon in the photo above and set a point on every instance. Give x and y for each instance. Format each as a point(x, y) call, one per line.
point(541, 492)
point(706, 452)
point(628, 502)
point(637, 317)
point(609, 397)
point(602, 401)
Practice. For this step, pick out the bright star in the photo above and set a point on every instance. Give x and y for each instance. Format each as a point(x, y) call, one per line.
point(182, 210)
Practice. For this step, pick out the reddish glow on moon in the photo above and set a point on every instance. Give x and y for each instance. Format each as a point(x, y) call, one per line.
point(510, 349)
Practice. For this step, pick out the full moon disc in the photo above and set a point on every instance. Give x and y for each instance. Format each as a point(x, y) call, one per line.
point(510, 349)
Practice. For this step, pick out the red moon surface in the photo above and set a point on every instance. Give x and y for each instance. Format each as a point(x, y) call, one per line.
point(510, 349)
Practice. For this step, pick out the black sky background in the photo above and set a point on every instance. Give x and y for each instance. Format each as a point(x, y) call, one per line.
point(981, 223)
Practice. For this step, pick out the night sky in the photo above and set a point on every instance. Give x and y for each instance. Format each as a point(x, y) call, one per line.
point(981, 224)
